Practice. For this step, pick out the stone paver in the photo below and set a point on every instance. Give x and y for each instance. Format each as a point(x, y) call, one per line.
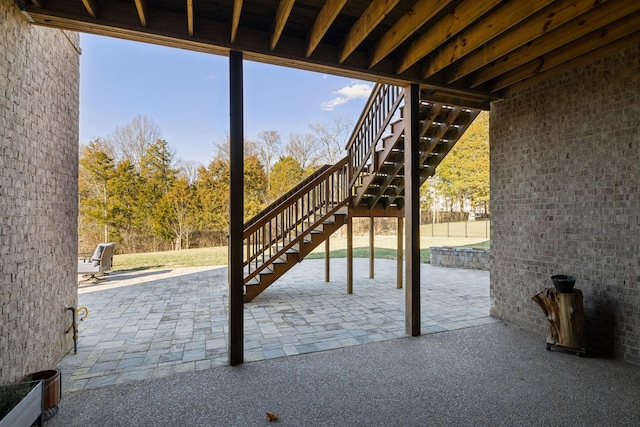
point(156, 323)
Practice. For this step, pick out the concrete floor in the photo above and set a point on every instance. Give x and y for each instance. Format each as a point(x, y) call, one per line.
point(491, 375)
point(153, 352)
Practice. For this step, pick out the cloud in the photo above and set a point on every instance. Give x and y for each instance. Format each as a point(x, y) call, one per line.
point(346, 94)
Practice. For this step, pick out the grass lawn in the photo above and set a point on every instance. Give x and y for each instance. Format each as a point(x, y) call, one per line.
point(384, 247)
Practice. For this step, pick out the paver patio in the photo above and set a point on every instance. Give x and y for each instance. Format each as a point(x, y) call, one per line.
point(151, 324)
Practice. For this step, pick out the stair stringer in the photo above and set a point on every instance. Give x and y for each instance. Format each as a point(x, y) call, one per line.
point(303, 246)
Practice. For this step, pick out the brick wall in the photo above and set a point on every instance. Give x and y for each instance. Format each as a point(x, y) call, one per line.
point(565, 198)
point(39, 102)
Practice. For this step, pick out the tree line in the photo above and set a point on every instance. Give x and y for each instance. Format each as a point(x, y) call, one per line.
point(133, 189)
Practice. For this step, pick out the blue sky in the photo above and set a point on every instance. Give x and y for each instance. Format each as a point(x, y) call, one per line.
point(187, 95)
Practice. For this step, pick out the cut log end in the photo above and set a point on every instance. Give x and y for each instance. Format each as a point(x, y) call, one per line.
point(565, 313)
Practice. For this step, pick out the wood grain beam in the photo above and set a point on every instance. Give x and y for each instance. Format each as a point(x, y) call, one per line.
point(235, 21)
point(565, 34)
point(372, 16)
point(547, 20)
point(609, 35)
point(92, 7)
point(325, 18)
point(141, 8)
point(573, 64)
point(282, 15)
point(190, 17)
point(417, 16)
point(451, 24)
point(167, 28)
point(508, 16)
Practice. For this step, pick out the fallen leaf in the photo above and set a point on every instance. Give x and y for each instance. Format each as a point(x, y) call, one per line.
point(272, 417)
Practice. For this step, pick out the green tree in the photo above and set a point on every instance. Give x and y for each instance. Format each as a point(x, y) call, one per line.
point(126, 212)
point(255, 187)
point(286, 173)
point(96, 169)
point(157, 177)
point(176, 213)
point(212, 195)
point(464, 173)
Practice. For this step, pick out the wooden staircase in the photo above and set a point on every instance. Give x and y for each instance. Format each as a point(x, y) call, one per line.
point(377, 172)
point(293, 226)
point(369, 181)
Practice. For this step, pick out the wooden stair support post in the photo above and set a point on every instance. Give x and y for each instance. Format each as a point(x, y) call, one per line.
point(565, 313)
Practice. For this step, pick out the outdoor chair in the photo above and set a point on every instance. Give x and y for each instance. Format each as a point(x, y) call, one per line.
point(96, 266)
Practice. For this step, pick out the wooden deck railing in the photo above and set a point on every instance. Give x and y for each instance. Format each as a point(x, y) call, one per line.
point(376, 116)
point(285, 196)
point(277, 231)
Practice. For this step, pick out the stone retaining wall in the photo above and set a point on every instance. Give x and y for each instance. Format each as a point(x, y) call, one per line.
point(472, 258)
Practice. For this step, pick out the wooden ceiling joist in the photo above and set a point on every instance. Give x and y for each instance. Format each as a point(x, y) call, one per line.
point(548, 19)
point(141, 8)
point(190, 17)
point(562, 36)
point(462, 52)
point(235, 22)
point(369, 20)
point(577, 62)
point(92, 7)
point(419, 14)
point(325, 18)
point(282, 15)
point(609, 36)
point(503, 19)
point(457, 20)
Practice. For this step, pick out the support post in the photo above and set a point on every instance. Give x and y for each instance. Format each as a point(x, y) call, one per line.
point(236, 209)
point(399, 255)
point(327, 261)
point(371, 246)
point(412, 208)
point(350, 254)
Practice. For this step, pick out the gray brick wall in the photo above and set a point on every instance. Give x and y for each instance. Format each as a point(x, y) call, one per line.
point(39, 103)
point(565, 198)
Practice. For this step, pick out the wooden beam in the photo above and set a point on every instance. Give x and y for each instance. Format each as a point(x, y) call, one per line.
point(577, 62)
point(371, 247)
point(37, 3)
point(190, 17)
point(606, 36)
point(235, 20)
point(506, 17)
point(349, 254)
point(372, 16)
point(141, 8)
point(168, 29)
point(399, 263)
point(325, 18)
point(417, 16)
point(451, 24)
point(561, 36)
point(282, 15)
point(412, 209)
point(92, 7)
point(543, 22)
point(377, 211)
point(236, 209)
point(327, 260)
